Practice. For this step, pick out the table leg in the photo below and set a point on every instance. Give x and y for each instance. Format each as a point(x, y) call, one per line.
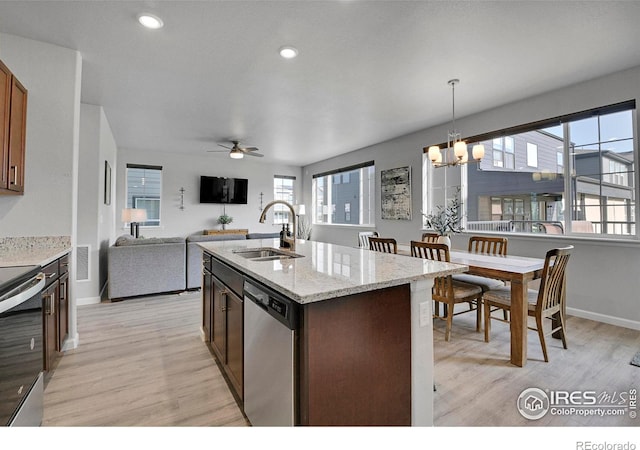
point(518, 323)
point(421, 353)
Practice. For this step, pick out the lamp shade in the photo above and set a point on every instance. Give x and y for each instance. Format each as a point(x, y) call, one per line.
point(299, 210)
point(134, 215)
point(478, 151)
point(459, 149)
point(434, 153)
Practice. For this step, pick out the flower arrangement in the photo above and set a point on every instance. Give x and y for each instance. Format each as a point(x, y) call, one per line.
point(446, 219)
point(224, 220)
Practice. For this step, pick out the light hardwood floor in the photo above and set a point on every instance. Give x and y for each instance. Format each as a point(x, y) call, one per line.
point(141, 362)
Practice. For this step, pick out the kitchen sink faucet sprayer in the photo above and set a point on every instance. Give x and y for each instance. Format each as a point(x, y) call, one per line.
point(290, 240)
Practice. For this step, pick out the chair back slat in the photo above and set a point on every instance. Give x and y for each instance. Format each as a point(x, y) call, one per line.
point(386, 245)
point(442, 286)
point(553, 281)
point(430, 237)
point(363, 238)
point(488, 245)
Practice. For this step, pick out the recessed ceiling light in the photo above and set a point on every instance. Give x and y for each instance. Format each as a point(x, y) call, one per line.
point(150, 21)
point(288, 52)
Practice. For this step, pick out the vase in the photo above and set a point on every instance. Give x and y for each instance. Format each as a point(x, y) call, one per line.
point(224, 226)
point(444, 240)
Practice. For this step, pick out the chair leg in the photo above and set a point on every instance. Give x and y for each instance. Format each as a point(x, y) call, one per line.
point(563, 330)
point(541, 336)
point(478, 314)
point(447, 333)
point(487, 322)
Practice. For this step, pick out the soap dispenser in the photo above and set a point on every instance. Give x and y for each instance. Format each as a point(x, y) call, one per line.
point(282, 237)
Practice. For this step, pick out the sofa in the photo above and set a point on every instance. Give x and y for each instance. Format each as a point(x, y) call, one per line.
point(146, 266)
point(155, 265)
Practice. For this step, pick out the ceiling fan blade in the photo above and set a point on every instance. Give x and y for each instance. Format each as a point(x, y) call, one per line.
point(254, 154)
point(224, 146)
point(217, 151)
point(249, 149)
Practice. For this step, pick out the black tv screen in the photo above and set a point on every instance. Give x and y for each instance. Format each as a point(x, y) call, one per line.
point(223, 190)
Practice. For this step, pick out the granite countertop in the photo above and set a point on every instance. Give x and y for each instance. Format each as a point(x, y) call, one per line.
point(328, 270)
point(32, 251)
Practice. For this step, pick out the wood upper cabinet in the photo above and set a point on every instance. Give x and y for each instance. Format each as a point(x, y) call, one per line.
point(13, 121)
point(5, 109)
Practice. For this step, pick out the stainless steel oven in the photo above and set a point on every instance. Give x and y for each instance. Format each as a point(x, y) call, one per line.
point(21, 346)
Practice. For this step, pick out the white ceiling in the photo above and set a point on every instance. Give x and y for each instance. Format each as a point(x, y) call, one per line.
point(367, 71)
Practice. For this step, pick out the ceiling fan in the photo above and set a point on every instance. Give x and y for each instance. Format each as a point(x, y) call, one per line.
point(238, 152)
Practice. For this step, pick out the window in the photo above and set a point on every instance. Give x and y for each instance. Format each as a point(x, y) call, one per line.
point(532, 155)
point(282, 190)
point(144, 191)
point(573, 174)
point(509, 153)
point(345, 196)
point(504, 152)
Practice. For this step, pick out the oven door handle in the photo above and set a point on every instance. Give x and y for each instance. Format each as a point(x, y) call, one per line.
point(23, 296)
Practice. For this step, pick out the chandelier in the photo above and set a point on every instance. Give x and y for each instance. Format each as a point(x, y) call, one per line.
point(455, 142)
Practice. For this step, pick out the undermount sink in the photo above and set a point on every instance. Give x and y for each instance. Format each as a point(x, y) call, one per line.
point(266, 254)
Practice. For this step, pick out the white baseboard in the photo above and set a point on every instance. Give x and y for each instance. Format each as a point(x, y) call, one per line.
point(611, 320)
point(71, 343)
point(87, 301)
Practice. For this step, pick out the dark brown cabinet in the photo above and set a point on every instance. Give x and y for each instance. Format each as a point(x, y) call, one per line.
point(55, 302)
point(49, 299)
point(223, 319)
point(13, 120)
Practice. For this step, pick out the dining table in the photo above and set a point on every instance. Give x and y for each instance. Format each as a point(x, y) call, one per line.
point(518, 271)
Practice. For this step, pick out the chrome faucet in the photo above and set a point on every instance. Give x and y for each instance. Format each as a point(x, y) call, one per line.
point(263, 216)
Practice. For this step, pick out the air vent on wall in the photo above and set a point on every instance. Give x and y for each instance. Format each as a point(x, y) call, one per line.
point(82, 263)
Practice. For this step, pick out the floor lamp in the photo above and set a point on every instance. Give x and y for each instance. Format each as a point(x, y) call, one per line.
point(134, 216)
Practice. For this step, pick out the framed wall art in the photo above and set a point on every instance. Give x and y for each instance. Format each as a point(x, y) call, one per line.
point(396, 193)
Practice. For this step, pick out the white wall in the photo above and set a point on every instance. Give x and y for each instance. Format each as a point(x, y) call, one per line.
point(180, 170)
point(96, 226)
point(52, 76)
point(603, 276)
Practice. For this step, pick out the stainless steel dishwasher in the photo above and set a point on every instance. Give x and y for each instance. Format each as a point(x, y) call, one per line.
point(269, 356)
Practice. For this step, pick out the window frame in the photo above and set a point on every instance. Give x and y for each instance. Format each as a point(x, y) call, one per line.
point(632, 177)
point(150, 222)
point(365, 203)
point(280, 212)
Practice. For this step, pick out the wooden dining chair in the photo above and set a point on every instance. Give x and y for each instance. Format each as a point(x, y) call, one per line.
point(363, 238)
point(489, 246)
point(445, 289)
point(386, 245)
point(430, 237)
point(548, 302)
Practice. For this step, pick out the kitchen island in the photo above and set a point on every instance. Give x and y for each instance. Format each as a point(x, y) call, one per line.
point(364, 343)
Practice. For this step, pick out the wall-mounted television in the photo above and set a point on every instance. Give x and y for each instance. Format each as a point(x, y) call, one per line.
point(223, 190)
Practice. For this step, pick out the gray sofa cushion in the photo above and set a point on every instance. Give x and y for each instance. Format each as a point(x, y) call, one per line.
point(124, 239)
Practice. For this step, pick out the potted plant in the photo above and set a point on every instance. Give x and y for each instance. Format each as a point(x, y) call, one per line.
point(224, 219)
point(445, 220)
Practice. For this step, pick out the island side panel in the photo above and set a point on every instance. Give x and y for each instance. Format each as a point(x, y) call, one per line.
point(355, 359)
